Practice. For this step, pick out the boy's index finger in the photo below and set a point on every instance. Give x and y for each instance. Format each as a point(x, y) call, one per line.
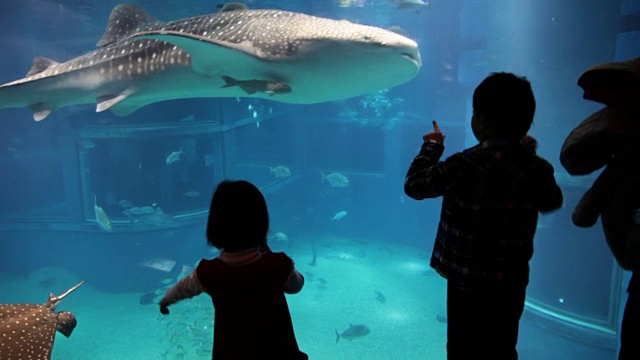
point(436, 128)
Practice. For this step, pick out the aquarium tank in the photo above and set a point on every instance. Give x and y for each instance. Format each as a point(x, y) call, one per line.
point(119, 120)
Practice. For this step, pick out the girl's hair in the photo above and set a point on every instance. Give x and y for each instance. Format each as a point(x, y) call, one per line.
point(238, 217)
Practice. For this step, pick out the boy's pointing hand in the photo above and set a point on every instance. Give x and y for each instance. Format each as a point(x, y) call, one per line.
point(434, 136)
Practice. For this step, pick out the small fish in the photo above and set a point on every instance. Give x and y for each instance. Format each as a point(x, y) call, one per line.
point(255, 114)
point(335, 179)
point(350, 3)
point(250, 107)
point(257, 86)
point(191, 194)
point(280, 237)
point(353, 332)
point(188, 118)
point(156, 218)
point(174, 156)
point(101, 216)
point(280, 171)
point(140, 210)
point(410, 4)
point(380, 296)
point(125, 204)
point(314, 258)
point(339, 215)
point(161, 264)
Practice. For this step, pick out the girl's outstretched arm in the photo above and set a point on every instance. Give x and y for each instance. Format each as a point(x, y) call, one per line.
point(186, 288)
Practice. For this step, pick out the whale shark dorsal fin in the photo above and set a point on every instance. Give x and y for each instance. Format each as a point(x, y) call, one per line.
point(41, 64)
point(233, 6)
point(126, 19)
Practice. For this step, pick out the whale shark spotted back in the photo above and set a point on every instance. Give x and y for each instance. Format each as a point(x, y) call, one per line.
point(141, 60)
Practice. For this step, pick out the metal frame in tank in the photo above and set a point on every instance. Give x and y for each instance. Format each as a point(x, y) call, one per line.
point(209, 129)
point(75, 211)
point(596, 332)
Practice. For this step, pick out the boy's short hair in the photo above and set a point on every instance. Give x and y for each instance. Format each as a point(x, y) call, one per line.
point(507, 104)
point(238, 216)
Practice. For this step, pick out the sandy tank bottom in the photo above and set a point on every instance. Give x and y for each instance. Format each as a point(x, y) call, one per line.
point(388, 288)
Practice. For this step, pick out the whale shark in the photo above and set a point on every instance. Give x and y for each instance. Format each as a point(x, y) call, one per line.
point(141, 60)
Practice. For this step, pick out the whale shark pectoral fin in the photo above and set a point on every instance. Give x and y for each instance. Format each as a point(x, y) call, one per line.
point(109, 101)
point(41, 111)
point(41, 115)
point(207, 55)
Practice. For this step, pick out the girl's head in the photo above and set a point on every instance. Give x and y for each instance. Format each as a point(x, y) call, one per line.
point(238, 217)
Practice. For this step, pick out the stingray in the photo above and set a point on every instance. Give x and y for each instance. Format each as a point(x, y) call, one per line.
point(27, 331)
point(141, 60)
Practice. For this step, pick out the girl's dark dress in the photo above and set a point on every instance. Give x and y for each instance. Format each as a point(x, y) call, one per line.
point(252, 319)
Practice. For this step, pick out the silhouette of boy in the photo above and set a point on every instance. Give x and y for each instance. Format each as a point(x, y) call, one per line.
point(492, 194)
point(246, 282)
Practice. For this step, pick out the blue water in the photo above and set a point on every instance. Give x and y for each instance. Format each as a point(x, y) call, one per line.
point(53, 171)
